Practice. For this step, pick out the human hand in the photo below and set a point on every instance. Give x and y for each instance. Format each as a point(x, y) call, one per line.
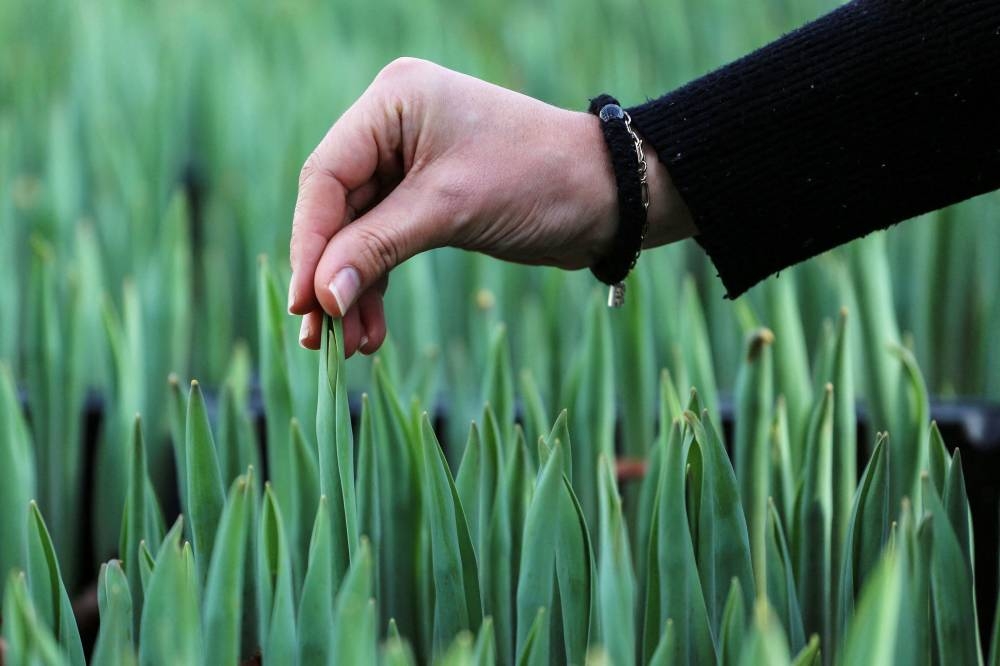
point(428, 157)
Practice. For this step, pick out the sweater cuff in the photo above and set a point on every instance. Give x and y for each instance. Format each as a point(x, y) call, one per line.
point(872, 114)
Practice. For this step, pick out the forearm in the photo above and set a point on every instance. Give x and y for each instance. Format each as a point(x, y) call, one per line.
point(875, 113)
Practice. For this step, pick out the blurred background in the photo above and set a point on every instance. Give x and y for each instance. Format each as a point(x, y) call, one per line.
point(149, 154)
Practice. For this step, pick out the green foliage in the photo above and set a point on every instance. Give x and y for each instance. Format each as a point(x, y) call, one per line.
point(760, 563)
point(133, 207)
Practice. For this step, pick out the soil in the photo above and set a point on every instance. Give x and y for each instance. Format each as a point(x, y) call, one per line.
point(88, 616)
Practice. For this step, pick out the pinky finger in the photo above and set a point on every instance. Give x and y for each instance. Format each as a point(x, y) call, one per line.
point(372, 320)
point(310, 332)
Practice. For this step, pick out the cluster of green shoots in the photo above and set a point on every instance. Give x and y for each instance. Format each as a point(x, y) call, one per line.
point(371, 547)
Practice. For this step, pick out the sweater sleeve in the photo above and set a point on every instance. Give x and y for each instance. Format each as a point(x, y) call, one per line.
point(875, 113)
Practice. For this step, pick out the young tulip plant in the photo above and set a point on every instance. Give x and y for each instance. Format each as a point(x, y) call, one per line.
point(370, 549)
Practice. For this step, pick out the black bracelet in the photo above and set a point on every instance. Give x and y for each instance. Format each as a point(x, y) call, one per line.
point(625, 148)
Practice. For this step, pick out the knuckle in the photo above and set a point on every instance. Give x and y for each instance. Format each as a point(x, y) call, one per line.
point(402, 68)
point(379, 249)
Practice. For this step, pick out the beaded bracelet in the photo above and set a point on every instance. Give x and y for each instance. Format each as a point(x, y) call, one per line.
point(629, 163)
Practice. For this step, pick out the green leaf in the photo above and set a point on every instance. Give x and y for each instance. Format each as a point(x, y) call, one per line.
point(397, 652)
point(316, 607)
point(844, 467)
point(782, 474)
point(467, 481)
point(723, 548)
point(53, 373)
point(517, 492)
point(223, 604)
point(537, 570)
point(536, 417)
point(937, 455)
point(666, 648)
point(810, 654)
point(48, 592)
point(956, 505)
point(490, 473)
point(791, 363)
point(459, 653)
point(237, 445)
point(675, 561)
point(353, 634)
point(781, 590)
point(17, 460)
point(497, 577)
point(126, 340)
point(615, 579)
point(696, 352)
point(146, 565)
point(498, 382)
point(867, 531)
point(734, 623)
point(28, 639)
point(637, 355)
point(206, 493)
point(306, 476)
point(457, 604)
point(177, 419)
point(335, 441)
point(275, 603)
point(535, 650)
point(754, 397)
point(909, 457)
point(592, 412)
point(811, 525)
point(914, 545)
point(765, 642)
point(952, 588)
point(560, 431)
point(484, 650)
point(134, 527)
point(576, 574)
point(369, 522)
point(171, 622)
point(646, 517)
point(275, 385)
point(114, 639)
point(399, 461)
point(877, 317)
point(871, 633)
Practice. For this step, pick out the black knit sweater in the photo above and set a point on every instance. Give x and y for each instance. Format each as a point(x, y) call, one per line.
point(872, 114)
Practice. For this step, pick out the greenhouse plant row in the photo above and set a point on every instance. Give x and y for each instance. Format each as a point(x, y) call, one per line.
point(369, 546)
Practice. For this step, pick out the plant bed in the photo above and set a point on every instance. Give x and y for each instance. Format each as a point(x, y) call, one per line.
point(508, 520)
point(970, 426)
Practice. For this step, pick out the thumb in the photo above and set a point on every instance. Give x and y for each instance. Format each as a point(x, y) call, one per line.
point(362, 253)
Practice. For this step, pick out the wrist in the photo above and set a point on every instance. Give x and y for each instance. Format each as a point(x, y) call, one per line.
point(669, 218)
point(601, 189)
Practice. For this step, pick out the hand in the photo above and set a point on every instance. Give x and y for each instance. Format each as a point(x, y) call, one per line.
point(428, 157)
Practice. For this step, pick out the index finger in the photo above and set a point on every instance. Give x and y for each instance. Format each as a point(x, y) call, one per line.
point(344, 161)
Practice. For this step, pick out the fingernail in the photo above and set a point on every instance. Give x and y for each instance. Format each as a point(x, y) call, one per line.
point(306, 330)
point(362, 344)
point(291, 293)
point(345, 286)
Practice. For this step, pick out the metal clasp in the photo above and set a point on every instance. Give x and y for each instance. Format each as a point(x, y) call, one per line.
point(616, 295)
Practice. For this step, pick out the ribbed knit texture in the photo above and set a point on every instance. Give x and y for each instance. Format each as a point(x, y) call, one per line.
point(875, 113)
